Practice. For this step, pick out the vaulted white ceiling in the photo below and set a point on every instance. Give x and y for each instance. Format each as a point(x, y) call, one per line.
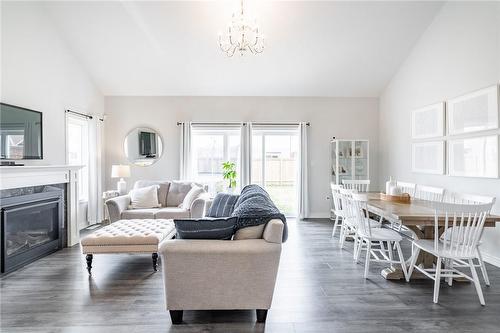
point(341, 49)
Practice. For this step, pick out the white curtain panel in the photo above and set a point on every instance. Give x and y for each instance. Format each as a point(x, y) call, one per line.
point(303, 199)
point(185, 151)
point(94, 213)
point(246, 154)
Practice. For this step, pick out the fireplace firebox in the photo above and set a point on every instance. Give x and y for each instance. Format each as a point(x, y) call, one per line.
point(32, 227)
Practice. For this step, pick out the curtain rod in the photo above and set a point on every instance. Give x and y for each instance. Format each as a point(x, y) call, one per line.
point(236, 123)
point(82, 115)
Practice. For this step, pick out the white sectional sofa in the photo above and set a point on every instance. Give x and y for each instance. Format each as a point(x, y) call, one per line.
point(170, 195)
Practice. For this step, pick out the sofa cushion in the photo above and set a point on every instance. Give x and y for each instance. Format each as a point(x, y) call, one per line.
point(172, 213)
point(254, 232)
point(206, 228)
point(222, 205)
point(144, 197)
point(177, 192)
point(162, 189)
point(148, 213)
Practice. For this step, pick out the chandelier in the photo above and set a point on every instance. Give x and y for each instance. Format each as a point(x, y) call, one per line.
point(242, 35)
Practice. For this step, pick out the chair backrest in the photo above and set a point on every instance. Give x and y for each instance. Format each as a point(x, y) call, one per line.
point(465, 198)
point(336, 197)
point(466, 223)
point(345, 200)
point(360, 185)
point(429, 193)
point(407, 188)
point(358, 203)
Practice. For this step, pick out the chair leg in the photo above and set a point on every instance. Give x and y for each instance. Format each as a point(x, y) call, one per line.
point(359, 249)
point(450, 267)
point(483, 268)
point(342, 235)
point(389, 251)
point(335, 225)
point(402, 261)
point(356, 241)
point(367, 259)
point(415, 252)
point(437, 280)
point(476, 282)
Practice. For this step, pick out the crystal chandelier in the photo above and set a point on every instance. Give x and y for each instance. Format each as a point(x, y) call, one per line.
point(242, 35)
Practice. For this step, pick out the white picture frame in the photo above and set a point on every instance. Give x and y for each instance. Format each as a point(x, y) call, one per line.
point(473, 112)
point(428, 122)
point(473, 156)
point(428, 157)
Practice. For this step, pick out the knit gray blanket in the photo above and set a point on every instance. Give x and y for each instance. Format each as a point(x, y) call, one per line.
point(255, 207)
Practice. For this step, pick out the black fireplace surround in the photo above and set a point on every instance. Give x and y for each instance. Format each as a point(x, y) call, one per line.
point(32, 225)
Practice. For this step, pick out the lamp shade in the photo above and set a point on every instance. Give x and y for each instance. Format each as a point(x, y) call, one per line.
point(120, 171)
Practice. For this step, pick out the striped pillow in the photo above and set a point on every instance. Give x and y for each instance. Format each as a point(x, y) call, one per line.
point(207, 228)
point(223, 205)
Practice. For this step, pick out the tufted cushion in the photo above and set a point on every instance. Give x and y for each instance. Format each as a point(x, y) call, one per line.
point(131, 232)
point(177, 192)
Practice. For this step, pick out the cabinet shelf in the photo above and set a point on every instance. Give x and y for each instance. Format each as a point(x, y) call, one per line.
point(348, 165)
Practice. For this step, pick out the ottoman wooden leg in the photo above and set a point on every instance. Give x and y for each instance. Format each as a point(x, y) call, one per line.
point(176, 316)
point(89, 263)
point(155, 261)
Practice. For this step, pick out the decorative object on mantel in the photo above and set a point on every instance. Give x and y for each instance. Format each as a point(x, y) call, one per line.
point(242, 35)
point(120, 171)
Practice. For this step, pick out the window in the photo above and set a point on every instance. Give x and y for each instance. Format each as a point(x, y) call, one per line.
point(78, 152)
point(210, 147)
point(275, 165)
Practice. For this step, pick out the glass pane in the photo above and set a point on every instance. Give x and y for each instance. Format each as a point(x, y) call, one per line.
point(345, 160)
point(281, 158)
point(361, 159)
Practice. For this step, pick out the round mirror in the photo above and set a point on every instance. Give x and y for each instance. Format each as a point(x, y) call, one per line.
point(143, 146)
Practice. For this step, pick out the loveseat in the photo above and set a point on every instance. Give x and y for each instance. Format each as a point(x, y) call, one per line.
point(170, 196)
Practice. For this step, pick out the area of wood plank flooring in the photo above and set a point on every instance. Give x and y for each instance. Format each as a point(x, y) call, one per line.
point(319, 289)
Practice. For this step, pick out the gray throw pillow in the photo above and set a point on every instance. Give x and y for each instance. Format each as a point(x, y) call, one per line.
point(223, 205)
point(206, 228)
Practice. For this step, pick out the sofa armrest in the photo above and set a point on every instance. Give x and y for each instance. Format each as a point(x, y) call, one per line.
point(273, 232)
point(219, 274)
point(116, 206)
point(197, 209)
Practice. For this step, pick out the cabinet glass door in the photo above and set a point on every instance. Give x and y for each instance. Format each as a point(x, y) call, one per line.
point(345, 160)
point(360, 160)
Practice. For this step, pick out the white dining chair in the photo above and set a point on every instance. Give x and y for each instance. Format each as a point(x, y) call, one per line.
point(469, 199)
point(337, 210)
point(466, 223)
point(372, 239)
point(429, 193)
point(360, 185)
point(406, 188)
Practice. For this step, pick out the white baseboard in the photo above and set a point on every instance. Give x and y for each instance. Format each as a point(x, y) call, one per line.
point(495, 261)
point(318, 216)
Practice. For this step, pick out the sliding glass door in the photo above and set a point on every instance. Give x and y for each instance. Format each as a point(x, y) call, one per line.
point(275, 164)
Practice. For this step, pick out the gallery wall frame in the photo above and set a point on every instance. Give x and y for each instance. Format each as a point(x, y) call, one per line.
point(428, 157)
point(428, 122)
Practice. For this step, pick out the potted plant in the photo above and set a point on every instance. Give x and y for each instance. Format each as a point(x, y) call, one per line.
point(229, 174)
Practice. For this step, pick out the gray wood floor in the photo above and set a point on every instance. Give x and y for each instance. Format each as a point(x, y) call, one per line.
point(319, 289)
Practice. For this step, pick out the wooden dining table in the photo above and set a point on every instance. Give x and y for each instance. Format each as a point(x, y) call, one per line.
point(418, 217)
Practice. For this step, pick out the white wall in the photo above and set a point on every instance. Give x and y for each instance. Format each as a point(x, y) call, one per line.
point(39, 72)
point(458, 53)
point(340, 117)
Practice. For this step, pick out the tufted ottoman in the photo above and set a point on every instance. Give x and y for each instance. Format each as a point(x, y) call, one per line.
point(128, 236)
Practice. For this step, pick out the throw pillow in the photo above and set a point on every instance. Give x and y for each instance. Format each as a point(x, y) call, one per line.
point(223, 205)
point(207, 228)
point(162, 190)
point(144, 197)
point(177, 192)
point(193, 193)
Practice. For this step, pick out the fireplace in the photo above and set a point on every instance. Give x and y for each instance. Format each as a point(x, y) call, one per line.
point(32, 226)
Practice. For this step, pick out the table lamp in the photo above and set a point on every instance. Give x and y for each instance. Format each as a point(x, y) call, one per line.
point(120, 171)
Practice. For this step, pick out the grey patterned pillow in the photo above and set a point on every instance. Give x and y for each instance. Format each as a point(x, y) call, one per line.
point(223, 205)
point(206, 228)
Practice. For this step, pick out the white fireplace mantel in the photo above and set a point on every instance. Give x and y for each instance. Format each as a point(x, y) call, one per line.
point(37, 175)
